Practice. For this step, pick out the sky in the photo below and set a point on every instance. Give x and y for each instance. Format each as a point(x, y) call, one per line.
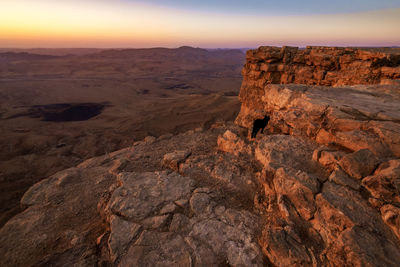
point(206, 23)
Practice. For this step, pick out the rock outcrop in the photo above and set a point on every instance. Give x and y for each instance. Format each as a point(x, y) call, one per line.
point(320, 214)
point(351, 117)
point(330, 157)
point(328, 66)
point(174, 201)
point(320, 187)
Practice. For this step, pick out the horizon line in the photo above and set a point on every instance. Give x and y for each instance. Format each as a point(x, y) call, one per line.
point(206, 48)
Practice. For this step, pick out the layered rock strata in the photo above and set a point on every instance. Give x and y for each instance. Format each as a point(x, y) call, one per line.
point(330, 155)
point(320, 66)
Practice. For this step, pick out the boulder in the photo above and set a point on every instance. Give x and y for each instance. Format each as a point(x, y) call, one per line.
point(174, 159)
point(384, 184)
point(359, 164)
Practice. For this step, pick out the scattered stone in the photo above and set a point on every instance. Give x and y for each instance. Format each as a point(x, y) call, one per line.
point(232, 143)
point(169, 208)
point(201, 204)
point(384, 184)
point(359, 164)
point(182, 203)
point(219, 210)
point(300, 188)
point(156, 222)
point(165, 136)
point(190, 132)
point(330, 159)
point(391, 216)
point(174, 159)
point(284, 250)
point(149, 140)
point(341, 178)
point(205, 190)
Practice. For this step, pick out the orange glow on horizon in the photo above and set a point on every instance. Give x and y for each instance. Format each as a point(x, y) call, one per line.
point(98, 24)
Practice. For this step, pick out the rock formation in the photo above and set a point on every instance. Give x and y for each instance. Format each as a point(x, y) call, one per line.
point(320, 187)
point(330, 175)
point(319, 66)
point(174, 200)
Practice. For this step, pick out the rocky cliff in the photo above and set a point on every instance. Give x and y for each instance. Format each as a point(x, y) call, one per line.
point(320, 66)
point(320, 187)
point(331, 174)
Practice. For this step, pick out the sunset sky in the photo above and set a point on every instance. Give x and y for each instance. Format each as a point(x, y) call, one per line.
point(207, 23)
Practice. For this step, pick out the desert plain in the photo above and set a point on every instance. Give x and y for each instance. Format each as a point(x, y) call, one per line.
point(59, 107)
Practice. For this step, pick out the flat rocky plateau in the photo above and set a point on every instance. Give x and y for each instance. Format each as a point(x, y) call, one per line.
point(320, 187)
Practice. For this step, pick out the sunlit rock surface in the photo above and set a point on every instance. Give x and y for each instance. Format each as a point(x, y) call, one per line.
point(320, 186)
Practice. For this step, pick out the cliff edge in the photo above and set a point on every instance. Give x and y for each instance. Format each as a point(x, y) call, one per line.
point(316, 65)
point(320, 187)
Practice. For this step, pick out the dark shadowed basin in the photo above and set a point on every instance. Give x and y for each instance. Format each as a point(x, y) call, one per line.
point(64, 112)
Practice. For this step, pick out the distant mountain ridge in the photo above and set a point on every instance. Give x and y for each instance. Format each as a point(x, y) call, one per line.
point(53, 51)
point(11, 56)
point(87, 51)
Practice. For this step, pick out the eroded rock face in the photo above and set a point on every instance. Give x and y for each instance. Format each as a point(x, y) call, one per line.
point(319, 66)
point(174, 159)
point(329, 155)
point(319, 210)
point(355, 118)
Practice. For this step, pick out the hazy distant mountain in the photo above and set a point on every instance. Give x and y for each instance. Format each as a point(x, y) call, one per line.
point(53, 51)
point(12, 56)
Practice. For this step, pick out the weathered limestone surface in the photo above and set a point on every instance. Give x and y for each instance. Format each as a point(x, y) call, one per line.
point(180, 225)
point(319, 215)
point(134, 207)
point(320, 186)
point(329, 155)
point(355, 118)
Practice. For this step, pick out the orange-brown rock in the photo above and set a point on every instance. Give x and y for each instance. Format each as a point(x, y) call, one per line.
point(330, 155)
point(355, 118)
point(319, 66)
